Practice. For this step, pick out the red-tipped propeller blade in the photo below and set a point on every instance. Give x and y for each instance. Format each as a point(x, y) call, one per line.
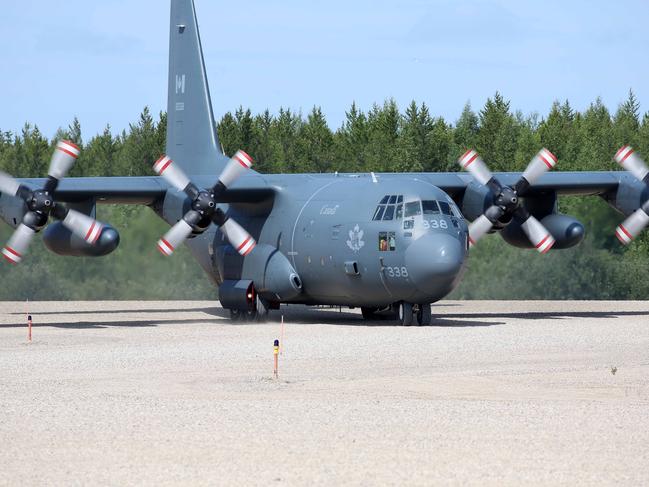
point(538, 235)
point(18, 244)
point(83, 226)
point(632, 226)
point(238, 165)
point(478, 229)
point(63, 158)
point(241, 240)
point(629, 160)
point(472, 162)
point(542, 163)
point(174, 237)
point(172, 173)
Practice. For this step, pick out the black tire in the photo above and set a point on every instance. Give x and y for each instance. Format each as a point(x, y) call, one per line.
point(369, 313)
point(235, 314)
point(405, 316)
point(424, 315)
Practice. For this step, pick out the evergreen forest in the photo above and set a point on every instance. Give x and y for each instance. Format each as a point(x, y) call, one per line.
point(385, 138)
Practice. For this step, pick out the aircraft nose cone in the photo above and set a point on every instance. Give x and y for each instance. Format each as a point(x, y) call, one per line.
point(436, 263)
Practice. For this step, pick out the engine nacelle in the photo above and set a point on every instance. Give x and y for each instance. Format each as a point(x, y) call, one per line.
point(274, 277)
point(566, 230)
point(60, 240)
point(630, 195)
point(237, 294)
point(476, 200)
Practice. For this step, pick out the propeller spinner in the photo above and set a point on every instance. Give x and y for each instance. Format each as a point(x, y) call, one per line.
point(41, 205)
point(506, 199)
point(203, 208)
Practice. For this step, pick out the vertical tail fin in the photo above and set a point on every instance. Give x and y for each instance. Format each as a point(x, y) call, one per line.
point(192, 140)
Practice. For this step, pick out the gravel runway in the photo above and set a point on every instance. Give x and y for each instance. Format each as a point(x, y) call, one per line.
point(169, 393)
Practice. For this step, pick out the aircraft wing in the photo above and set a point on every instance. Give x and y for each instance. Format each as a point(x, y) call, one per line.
point(565, 183)
point(138, 190)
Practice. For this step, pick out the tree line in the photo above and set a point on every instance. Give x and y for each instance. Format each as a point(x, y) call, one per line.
point(383, 138)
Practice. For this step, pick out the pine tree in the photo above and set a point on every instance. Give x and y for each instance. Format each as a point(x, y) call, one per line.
point(351, 142)
point(228, 134)
point(497, 137)
point(384, 153)
point(316, 143)
point(596, 138)
point(556, 131)
point(466, 130)
point(626, 121)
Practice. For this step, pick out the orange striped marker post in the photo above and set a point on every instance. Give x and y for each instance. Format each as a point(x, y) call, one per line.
point(275, 354)
point(29, 327)
point(281, 337)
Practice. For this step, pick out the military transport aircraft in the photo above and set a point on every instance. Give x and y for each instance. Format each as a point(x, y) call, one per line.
point(388, 243)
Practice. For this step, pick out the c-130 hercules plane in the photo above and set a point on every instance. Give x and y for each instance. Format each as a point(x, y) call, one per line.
point(389, 243)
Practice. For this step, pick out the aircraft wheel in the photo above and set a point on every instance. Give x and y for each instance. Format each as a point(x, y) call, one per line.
point(424, 315)
point(369, 313)
point(235, 314)
point(405, 314)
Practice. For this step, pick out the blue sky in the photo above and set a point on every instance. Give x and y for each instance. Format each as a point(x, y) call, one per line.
point(103, 61)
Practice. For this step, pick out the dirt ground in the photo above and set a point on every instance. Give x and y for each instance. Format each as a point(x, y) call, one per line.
point(158, 393)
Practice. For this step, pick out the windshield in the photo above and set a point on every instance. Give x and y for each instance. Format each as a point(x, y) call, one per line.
point(412, 208)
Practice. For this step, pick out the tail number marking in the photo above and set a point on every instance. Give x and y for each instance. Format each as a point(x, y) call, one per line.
point(441, 223)
point(396, 271)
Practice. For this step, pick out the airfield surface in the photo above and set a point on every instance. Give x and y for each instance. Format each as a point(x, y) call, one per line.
point(161, 393)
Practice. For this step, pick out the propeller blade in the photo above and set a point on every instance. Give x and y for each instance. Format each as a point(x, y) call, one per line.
point(478, 229)
point(8, 185)
point(632, 226)
point(174, 237)
point(83, 226)
point(238, 165)
point(241, 240)
point(64, 156)
point(172, 173)
point(629, 160)
point(542, 163)
point(538, 234)
point(18, 244)
point(472, 162)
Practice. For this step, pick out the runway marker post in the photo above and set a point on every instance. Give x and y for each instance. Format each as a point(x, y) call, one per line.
point(29, 327)
point(281, 337)
point(275, 355)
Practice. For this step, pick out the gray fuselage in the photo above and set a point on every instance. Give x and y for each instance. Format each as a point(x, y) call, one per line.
point(352, 239)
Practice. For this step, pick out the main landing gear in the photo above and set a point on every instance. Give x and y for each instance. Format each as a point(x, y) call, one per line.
point(404, 314)
point(409, 314)
point(258, 313)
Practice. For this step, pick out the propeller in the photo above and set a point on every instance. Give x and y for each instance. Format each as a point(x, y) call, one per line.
point(41, 205)
point(639, 219)
point(203, 207)
point(506, 199)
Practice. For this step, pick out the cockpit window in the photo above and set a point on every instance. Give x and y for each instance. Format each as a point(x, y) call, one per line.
point(412, 208)
point(446, 208)
point(390, 208)
point(430, 207)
